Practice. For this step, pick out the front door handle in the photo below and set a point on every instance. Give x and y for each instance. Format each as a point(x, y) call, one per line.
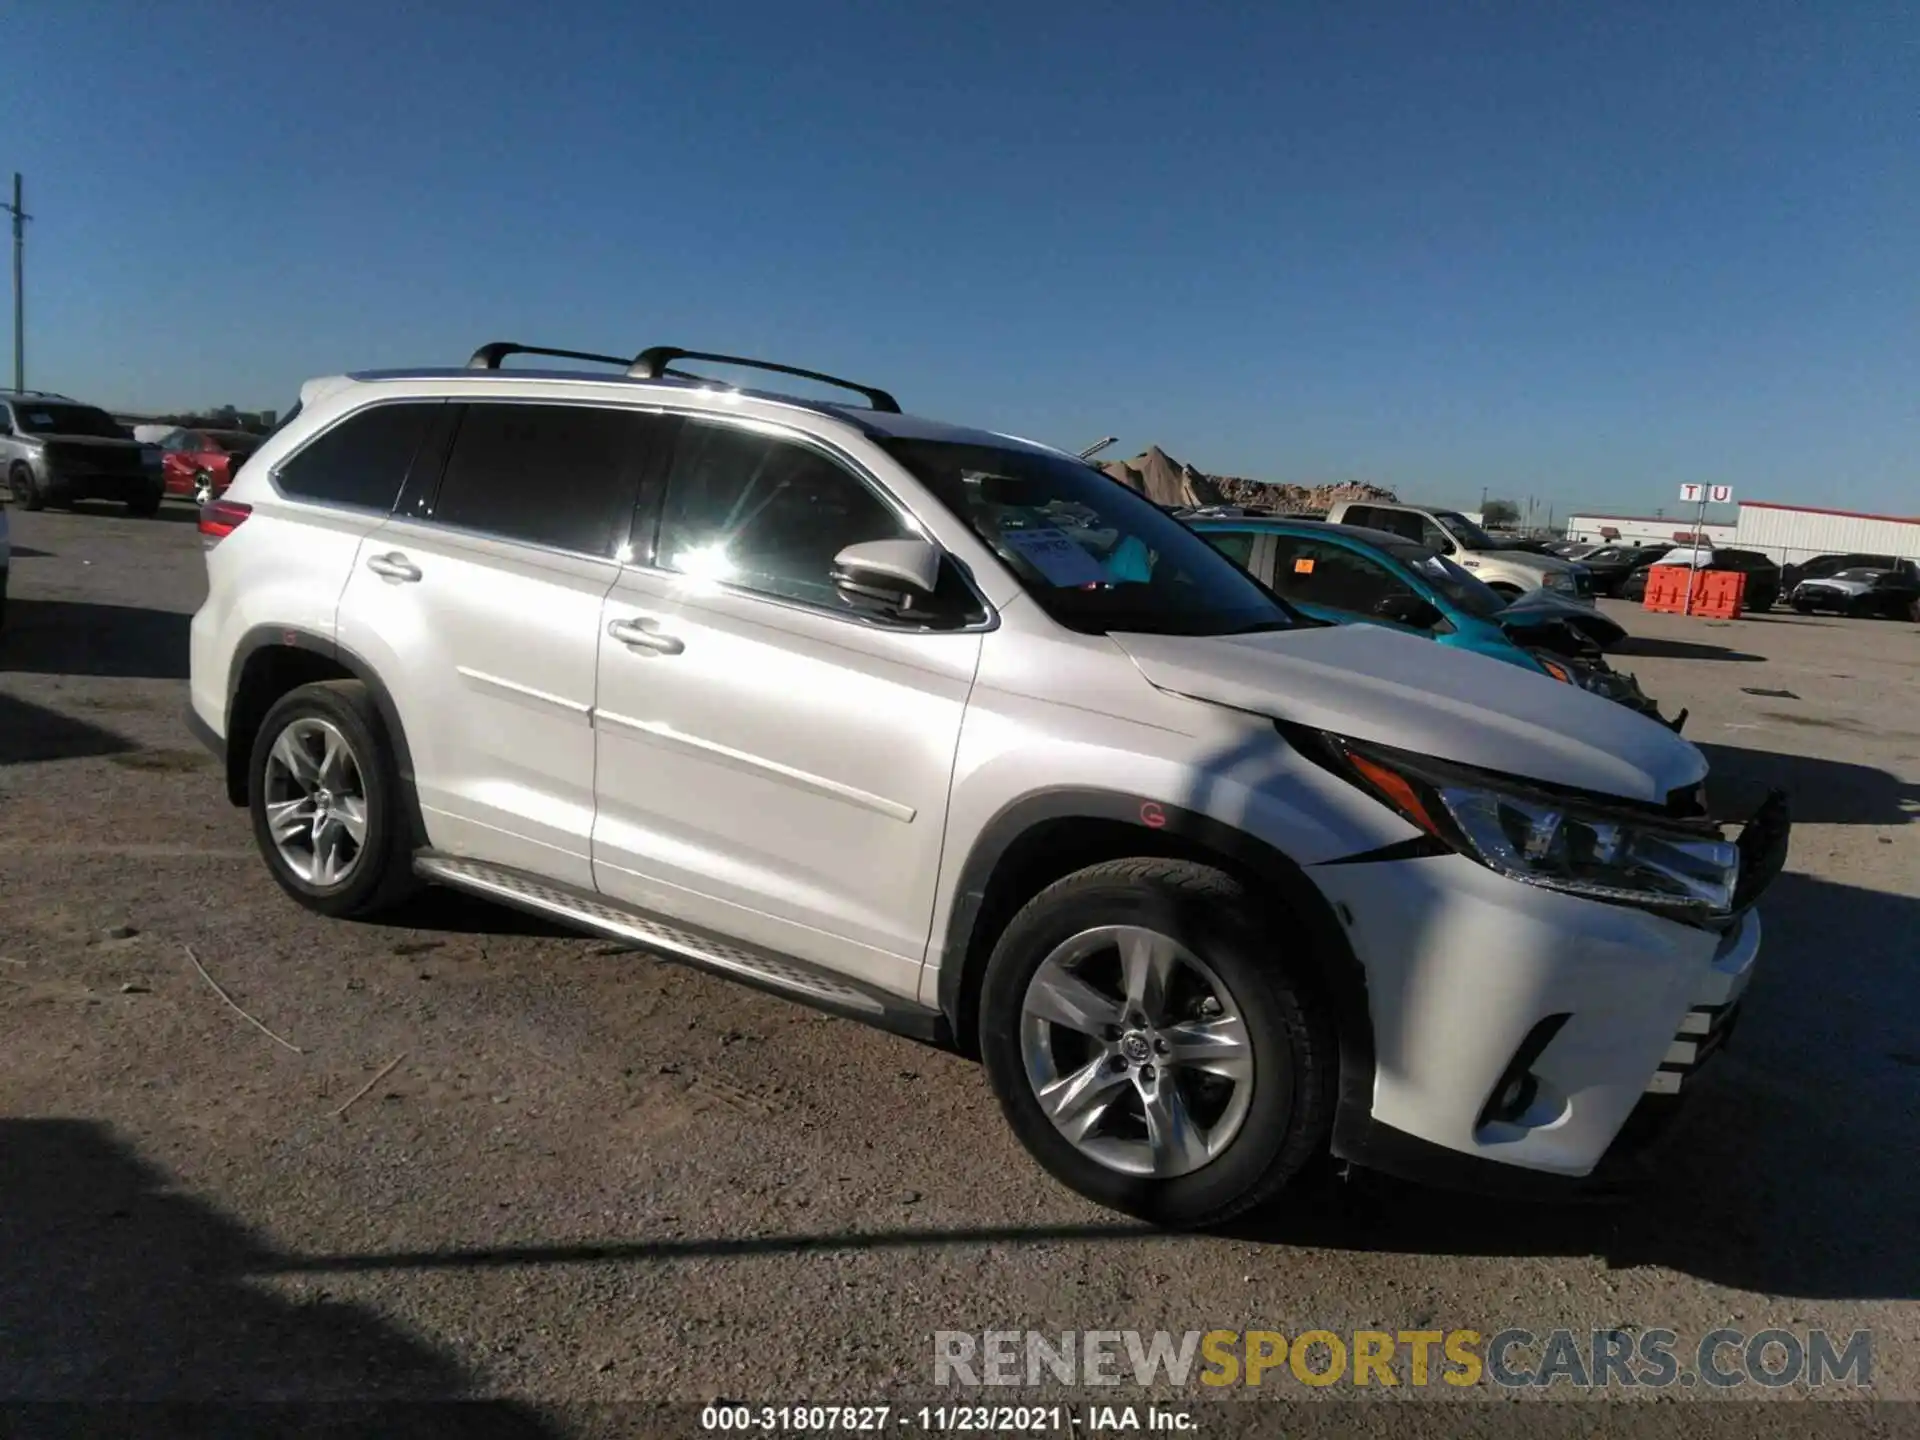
point(393, 566)
point(642, 635)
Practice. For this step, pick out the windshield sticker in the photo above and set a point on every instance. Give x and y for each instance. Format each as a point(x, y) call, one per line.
point(1303, 566)
point(1056, 557)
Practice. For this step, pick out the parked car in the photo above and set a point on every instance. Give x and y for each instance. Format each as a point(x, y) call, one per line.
point(1510, 571)
point(56, 450)
point(1763, 575)
point(1611, 565)
point(1343, 574)
point(1822, 566)
point(200, 464)
point(6, 561)
point(1893, 592)
point(954, 733)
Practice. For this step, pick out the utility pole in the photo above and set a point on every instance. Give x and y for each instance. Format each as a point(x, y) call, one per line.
point(20, 218)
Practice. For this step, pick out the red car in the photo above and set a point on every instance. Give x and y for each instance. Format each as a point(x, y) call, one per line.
point(202, 463)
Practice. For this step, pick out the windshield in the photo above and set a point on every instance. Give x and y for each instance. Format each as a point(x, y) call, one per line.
point(69, 420)
point(1461, 588)
point(1097, 556)
point(1465, 531)
point(1865, 577)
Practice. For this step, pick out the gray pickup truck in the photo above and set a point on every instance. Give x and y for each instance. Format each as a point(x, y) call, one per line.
point(1509, 571)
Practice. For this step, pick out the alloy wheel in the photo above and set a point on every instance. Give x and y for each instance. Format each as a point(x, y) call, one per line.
point(202, 489)
point(1137, 1051)
point(20, 485)
point(316, 802)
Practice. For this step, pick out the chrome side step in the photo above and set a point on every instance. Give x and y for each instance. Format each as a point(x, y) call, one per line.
point(587, 911)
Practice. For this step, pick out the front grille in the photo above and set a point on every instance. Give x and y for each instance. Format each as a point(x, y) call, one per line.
point(1703, 1032)
point(97, 459)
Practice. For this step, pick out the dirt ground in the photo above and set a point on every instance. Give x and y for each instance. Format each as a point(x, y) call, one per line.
point(590, 1175)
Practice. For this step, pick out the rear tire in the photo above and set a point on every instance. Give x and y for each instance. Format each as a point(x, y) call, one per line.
point(1149, 1088)
point(327, 802)
point(1506, 591)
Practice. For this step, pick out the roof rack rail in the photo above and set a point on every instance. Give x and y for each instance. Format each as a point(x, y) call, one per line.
point(651, 364)
point(488, 357)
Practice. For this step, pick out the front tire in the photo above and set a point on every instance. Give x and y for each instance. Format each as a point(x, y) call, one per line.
point(25, 491)
point(145, 505)
point(1506, 591)
point(1150, 1045)
point(327, 802)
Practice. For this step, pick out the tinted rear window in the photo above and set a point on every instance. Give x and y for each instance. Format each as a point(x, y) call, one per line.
point(362, 461)
point(557, 475)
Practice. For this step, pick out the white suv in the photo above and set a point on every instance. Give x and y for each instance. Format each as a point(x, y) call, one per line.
point(948, 731)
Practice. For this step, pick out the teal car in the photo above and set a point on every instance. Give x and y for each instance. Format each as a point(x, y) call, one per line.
point(1343, 574)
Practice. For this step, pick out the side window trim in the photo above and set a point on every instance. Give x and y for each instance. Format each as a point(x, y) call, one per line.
point(429, 464)
point(646, 562)
point(1260, 563)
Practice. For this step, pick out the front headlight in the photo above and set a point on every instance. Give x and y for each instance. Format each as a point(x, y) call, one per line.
point(1559, 580)
point(1576, 845)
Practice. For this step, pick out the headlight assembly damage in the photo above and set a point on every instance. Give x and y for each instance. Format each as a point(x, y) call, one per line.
point(1581, 846)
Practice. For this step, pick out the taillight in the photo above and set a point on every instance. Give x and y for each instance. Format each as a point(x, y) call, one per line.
point(220, 518)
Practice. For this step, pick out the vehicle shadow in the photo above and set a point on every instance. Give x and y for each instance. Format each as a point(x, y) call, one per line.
point(30, 733)
point(117, 1286)
point(454, 912)
point(1821, 792)
point(173, 510)
point(1654, 648)
point(78, 637)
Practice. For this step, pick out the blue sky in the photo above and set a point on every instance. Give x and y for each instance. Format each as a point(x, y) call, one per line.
point(1582, 252)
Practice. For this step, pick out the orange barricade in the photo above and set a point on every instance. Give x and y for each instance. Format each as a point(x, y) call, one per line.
point(1717, 594)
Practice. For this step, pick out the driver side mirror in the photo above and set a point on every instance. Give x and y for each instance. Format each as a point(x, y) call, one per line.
point(895, 576)
point(1407, 609)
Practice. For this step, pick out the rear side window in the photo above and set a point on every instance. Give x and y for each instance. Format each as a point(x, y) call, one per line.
point(360, 462)
point(557, 475)
point(1236, 545)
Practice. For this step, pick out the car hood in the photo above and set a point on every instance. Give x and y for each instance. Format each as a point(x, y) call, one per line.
point(1370, 683)
point(95, 442)
point(1530, 560)
point(1845, 587)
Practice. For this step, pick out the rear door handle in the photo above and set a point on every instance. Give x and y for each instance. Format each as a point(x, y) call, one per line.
point(394, 566)
point(642, 635)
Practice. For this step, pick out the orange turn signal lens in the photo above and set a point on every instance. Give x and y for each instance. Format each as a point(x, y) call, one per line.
point(1397, 789)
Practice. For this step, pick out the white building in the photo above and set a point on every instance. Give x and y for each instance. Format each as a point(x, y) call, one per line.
point(1644, 530)
point(1791, 534)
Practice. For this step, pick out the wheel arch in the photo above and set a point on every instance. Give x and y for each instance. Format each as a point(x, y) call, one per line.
point(271, 660)
point(1048, 835)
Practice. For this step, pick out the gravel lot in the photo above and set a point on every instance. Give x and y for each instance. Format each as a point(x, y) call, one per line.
point(596, 1175)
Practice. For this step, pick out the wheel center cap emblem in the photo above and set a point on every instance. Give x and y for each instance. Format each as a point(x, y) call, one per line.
point(1136, 1048)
